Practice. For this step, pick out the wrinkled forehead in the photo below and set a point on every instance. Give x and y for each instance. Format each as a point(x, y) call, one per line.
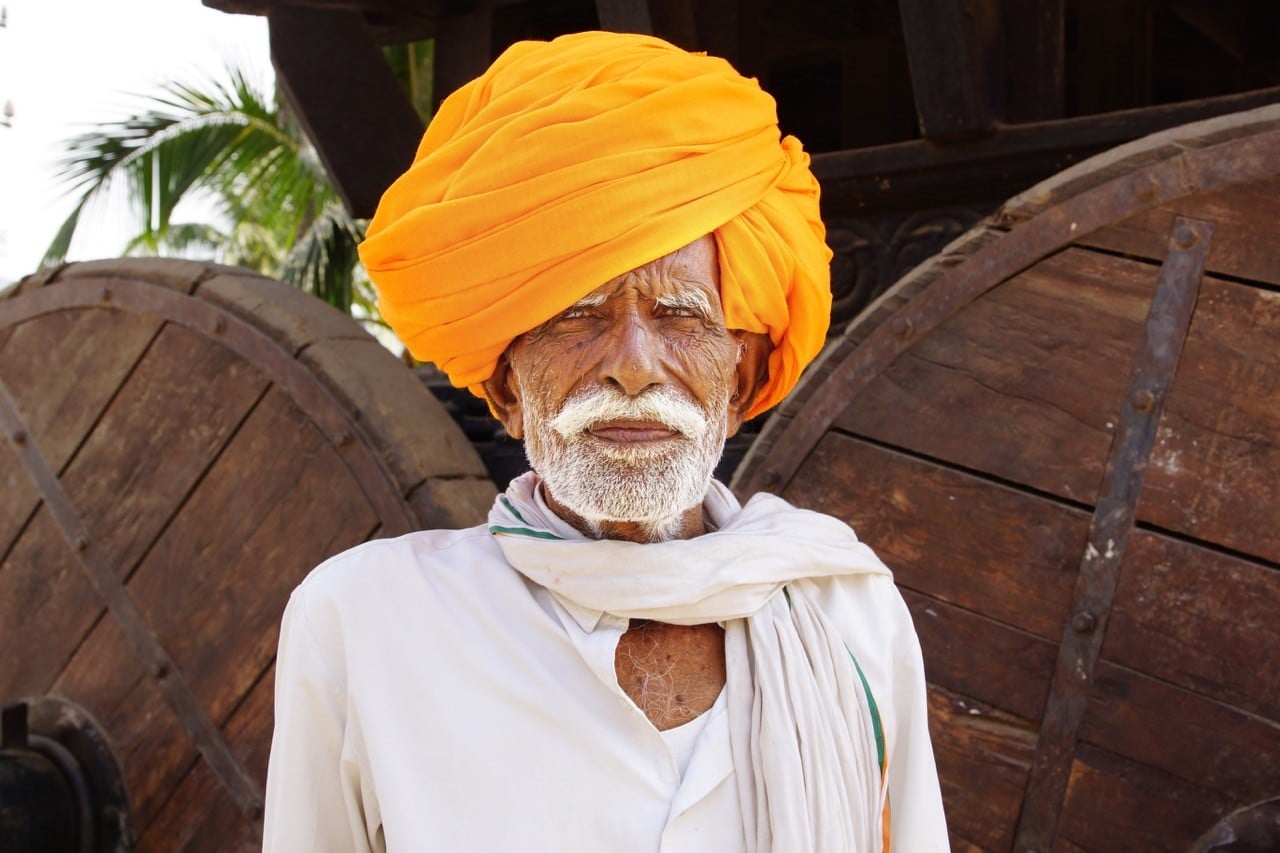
point(672, 291)
point(689, 277)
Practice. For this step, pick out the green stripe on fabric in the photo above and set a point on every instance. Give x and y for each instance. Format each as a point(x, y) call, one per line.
point(511, 508)
point(875, 711)
point(524, 531)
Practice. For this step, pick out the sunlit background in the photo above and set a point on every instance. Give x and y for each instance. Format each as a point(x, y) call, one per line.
point(65, 64)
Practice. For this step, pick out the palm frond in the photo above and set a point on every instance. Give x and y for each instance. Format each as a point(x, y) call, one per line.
point(254, 245)
point(190, 137)
point(232, 143)
point(323, 258)
point(187, 239)
point(61, 244)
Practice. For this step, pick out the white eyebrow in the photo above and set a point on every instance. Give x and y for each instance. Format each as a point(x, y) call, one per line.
point(694, 299)
point(591, 300)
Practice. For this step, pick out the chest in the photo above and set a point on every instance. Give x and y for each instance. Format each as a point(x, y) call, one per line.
point(673, 673)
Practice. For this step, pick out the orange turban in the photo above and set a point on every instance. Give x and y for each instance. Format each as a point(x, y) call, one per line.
point(570, 162)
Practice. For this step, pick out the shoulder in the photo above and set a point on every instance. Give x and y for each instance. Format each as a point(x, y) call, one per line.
point(382, 557)
point(868, 604)
point(378, 578)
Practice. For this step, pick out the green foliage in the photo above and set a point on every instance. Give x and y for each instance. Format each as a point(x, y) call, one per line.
point(232, 144)
point(412, 63)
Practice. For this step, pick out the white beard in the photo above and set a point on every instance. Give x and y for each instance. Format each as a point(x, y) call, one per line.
point(600, 482)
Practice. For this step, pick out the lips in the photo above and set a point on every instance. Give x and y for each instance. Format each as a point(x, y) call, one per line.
point(628, 431)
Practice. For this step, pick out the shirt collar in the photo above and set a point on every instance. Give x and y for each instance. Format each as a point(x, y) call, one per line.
point(588, 618)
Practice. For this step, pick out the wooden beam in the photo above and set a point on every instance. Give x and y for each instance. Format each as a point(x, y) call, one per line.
point(673, 21)
point(916, 174)
point(346, 98)
point(946, 76)
point(731, 29)
point(1112, 55)
point(391, 21)
point(876, 92)
point(625, 16)
point(464, 49)
point(667, 19)
point(1033, 47)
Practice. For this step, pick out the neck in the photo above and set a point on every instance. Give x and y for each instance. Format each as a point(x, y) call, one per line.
point(686, 525)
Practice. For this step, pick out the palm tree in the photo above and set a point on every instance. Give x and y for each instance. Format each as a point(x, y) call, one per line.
point(233, 145)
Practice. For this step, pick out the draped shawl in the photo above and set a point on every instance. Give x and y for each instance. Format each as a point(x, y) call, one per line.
point(807, 742)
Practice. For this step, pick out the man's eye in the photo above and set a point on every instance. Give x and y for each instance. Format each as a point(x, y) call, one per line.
point(575, 314)
point(679, 311)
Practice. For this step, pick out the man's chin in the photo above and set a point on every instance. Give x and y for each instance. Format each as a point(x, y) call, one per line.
point(649, 483)
point(649, 515)
point(623, 494)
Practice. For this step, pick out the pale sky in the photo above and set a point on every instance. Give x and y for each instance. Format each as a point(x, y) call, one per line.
point(67, 63)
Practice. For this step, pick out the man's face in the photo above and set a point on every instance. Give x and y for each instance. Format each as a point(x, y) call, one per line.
point(625, 399)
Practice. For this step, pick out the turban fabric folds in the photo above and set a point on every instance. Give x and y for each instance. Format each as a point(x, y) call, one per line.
point(571, 162)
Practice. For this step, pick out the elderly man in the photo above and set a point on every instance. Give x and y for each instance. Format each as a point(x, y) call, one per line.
point(607, 238)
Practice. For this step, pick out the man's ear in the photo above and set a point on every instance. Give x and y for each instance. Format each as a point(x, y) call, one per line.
point(751, 375)
point(504, 398)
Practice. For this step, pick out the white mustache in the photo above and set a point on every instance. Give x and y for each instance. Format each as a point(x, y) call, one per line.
point(664, 405)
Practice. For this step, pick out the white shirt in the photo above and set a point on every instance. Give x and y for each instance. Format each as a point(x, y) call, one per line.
point(429, 697)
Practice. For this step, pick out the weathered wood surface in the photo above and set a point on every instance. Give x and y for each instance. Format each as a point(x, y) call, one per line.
point(971, 426)
point(199, 815)
point(1114, 804)
point(1215, 473)
point(1243, 217)
point(1163, 726)
point(1021, 575)
point(983, 755)
point(1017, 386)
point(976, 656)
point(61, 407)
point(1202, 620)
point(214, 435)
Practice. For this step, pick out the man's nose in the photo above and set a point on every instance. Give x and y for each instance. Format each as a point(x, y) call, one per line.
point(632, 355)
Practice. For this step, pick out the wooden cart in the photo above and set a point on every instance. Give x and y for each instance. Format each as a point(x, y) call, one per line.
point(1063, 433)
point(183, 443)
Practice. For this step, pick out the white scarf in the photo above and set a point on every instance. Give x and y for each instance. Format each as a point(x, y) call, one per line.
point(805, 740)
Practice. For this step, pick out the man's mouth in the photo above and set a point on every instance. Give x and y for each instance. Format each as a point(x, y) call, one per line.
point(633, 432)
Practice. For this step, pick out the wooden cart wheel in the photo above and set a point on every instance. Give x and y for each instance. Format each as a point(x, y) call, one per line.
point(184, 442)
point(1063, 433)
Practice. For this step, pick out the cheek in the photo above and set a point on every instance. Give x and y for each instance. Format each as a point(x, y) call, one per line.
point(538, 393)
point(709, 366)
point(543, 370)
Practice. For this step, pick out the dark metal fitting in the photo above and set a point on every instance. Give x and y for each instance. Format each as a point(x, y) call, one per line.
point(902, 327)
point(344, 438)
point(160, 670)
point(770, 477)
point(255, 811)
point(219, 325)
point(1184, 237)
point(1084, 622)
point(107, 294)
point(20, 437)
point(82, 544)
point(1143, 400)
point(60, 785)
